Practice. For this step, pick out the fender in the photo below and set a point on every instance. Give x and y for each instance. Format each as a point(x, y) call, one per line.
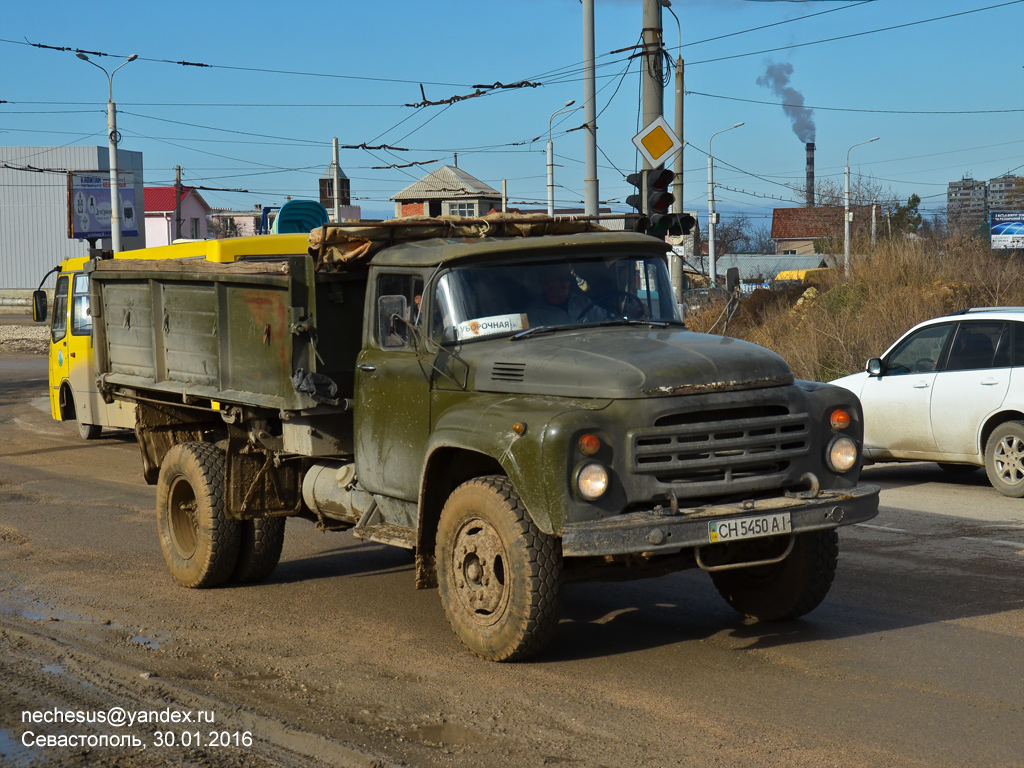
point(483, 424)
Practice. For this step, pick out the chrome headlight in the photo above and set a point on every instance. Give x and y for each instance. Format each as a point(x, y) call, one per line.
point(842, 454)
point(592, 481)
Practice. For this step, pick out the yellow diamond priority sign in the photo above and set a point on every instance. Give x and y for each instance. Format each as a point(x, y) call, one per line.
point(657, 143)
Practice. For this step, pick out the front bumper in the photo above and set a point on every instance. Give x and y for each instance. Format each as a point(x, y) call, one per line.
point(663, 531)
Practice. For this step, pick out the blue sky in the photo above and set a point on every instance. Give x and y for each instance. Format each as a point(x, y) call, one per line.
point(287, 77)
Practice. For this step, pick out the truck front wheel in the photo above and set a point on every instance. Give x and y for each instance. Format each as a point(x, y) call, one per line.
point(785, 590)
point(498, 574)
point(199, 542)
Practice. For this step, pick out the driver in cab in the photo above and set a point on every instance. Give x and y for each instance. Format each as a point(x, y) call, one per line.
point(561, 301)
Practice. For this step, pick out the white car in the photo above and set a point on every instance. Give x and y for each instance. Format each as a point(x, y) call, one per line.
point(951, 390)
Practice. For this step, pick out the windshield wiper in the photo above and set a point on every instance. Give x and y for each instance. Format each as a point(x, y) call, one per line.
point(650, 323)
point(547, 329)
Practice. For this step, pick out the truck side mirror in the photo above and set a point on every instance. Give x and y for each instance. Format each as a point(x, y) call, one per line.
point(732, 279)
point(392, 322)
point(874, 367)
point(39, 306)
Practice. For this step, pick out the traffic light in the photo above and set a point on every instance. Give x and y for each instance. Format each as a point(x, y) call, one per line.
point(652, 195)
point(659, 199)
point(653, 200)
point(674, 225)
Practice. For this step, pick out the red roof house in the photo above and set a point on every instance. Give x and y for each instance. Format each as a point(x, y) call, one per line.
point(159, 206)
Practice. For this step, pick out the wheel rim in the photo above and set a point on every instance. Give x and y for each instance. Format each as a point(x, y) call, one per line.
point(478, 567)
point(1009, 460)
point(184, 519)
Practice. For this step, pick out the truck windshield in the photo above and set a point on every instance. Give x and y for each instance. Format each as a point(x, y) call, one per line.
point(477, 302)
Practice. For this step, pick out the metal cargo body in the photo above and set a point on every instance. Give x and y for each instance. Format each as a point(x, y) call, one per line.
point(243, 333)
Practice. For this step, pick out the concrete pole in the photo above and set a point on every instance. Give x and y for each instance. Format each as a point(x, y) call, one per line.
point(653, 89)
point(591, 195)
point(711, 219)
point(337, 182)
point(177, 203)
point(551, 158)
point(846, 218)
point(677, 166)
point(115, 186)
point(551, 177)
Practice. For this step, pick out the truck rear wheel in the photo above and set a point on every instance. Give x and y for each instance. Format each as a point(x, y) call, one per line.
point(785, 590)
point(260, 544)
point(199, 542)
point(499, 576)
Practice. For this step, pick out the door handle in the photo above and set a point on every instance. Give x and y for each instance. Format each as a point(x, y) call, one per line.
point(989, 382)
point(367, 368)
point(921, 385)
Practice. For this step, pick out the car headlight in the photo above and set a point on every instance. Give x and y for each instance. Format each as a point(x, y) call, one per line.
point(842, 454)
point(592, 481)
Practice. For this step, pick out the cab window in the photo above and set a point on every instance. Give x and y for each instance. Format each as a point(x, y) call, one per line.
point(59, 328)
point(81, 319)
point(408, 286)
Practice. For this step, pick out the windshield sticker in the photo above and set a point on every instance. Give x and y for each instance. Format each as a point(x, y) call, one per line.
point(488, 326)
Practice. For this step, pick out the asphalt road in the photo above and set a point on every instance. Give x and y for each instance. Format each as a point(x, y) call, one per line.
point(916, 658)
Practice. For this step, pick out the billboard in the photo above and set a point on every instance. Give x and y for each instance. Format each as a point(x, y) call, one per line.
point(89, 204)
point(1007, 229)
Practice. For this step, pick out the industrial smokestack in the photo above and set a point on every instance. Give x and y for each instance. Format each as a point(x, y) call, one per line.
point(810, 174)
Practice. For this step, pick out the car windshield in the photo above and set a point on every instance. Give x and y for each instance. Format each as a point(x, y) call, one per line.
point(483, 301)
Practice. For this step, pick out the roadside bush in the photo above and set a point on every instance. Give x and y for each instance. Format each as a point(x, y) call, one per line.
point(829, 329)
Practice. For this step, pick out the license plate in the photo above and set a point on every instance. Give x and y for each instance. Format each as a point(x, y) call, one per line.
point(749, 527)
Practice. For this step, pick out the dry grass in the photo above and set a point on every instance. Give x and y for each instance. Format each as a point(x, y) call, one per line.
point(830, 330)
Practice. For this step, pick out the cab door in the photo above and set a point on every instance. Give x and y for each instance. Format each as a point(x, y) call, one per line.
point(59, 365)
point(392, 392)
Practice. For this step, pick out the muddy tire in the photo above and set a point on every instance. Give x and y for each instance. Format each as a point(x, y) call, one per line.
point(259, 550)
point(499, 576)
point(1004, 459)
point(785, 590)
point(89, 431)
point(199, 542)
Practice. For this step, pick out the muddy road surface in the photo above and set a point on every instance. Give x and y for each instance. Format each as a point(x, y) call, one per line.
point(915, 659)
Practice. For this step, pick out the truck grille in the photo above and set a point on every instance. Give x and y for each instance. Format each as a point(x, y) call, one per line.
point(720, 446)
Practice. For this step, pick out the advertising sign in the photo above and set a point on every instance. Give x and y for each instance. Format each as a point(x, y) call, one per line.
point(89, 204)
point(1007, 229)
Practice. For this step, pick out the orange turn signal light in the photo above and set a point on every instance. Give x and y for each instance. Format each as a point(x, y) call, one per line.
point(840, 419)
point(590, 444)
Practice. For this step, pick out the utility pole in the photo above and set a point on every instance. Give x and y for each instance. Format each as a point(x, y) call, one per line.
point(591, 195)
point(177, 203)
point(653, 89)
point(337, 182)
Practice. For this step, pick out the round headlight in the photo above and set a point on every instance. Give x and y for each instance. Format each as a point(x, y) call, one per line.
point(592, 481)
point(842, 454)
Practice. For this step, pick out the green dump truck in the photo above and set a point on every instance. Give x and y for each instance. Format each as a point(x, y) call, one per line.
point(514, 400)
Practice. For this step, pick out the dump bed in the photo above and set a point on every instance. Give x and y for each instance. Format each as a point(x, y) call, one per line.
point(263, 333)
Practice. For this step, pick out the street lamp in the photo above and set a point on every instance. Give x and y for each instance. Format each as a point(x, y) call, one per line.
point(115, 190)
point(712, 276)
point(847, 216)
point(551, 158)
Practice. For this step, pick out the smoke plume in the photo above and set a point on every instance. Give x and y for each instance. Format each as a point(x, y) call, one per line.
point(777, 77)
